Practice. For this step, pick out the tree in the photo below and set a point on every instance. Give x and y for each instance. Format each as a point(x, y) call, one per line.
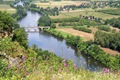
point(44, 21)
point(20, 36)
point(33, 6)
point(109, 40)
point(7, 23)
point(53, 25)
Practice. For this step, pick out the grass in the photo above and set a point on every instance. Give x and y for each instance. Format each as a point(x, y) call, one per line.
point(85, 36)
point(82, 75)
point(44, 65)
point(58, 31)
point(77, 13)
point(57, 3)
point(7, 8)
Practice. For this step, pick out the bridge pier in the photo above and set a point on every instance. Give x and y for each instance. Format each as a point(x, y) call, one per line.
point(43, 28)
point(34, 29)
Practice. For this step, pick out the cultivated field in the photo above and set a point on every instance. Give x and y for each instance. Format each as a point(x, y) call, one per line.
point(86, 36)
point(86, 12)
point(7, 8)
point(58, 3)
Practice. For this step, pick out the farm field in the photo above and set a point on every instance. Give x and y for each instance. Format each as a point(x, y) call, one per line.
point(58, 4)
point(72, 31)
point(7, 8)
point(87, 36)
point(88, 12)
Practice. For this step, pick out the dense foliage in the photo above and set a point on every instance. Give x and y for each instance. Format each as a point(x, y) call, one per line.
point(111, 11)
point(104, 28)
point(91, 49)
point(84, 29)
point(44, 21)
point(115, 22)
point(21, 12)
point(109, 40)
point(7, 23)
point(75, 21)
point(47, 11)
point(20, 36)
point(53, 25)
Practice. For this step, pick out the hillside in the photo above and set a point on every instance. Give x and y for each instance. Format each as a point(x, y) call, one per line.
point(35, 64)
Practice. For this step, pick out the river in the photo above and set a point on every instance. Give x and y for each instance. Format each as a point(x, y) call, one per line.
point(58, 46)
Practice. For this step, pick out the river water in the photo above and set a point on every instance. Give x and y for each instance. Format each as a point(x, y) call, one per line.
point(58, 46)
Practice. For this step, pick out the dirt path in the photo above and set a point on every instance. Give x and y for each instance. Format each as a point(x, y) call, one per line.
point(87, 36)
point(110, 51)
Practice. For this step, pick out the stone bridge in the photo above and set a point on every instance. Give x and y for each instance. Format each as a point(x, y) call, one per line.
point(35, 29)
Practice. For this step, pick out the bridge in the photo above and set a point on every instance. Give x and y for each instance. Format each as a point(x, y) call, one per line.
point(35, 29)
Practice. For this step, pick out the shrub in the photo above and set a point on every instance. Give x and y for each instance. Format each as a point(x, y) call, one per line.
point(83, 29)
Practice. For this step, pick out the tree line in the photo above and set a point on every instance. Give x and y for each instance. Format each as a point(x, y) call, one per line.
point(90, 48)
point(47, 11)
point(84, 29)
point(111, 11)
point(115, 22)
point(109, 40)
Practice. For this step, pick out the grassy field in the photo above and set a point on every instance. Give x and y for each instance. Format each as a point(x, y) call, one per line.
point(58, 4)
point(7, 8)
point(71, 13)
point(86, 12)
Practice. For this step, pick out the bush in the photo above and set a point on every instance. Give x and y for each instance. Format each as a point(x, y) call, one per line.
point(105, 28)
point(83, 29)
point(53, 25)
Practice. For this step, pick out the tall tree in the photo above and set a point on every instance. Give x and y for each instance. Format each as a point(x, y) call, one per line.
point(7, 23)
point(44, 21)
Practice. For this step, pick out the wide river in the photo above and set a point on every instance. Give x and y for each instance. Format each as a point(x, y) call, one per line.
point(58, 46)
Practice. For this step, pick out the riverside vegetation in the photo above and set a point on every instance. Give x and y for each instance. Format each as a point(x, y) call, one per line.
point(18, 61)
point(90, 49)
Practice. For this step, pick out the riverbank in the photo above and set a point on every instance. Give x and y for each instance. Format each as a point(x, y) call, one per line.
point(87, 37)
point(89, 48)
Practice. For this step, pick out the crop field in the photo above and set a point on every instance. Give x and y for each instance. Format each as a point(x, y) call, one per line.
point(89, 12)
point(58, 4)
point(86, 36)
point(7, 8)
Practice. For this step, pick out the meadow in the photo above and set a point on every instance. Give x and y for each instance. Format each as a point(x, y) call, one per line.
point(7, 8)
point(58, 3)
point(85, 12)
